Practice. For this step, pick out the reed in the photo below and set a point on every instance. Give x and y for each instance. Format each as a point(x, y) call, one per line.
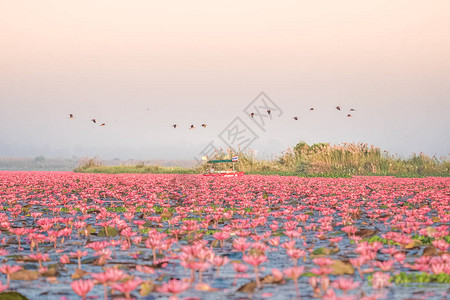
point(321, 159)
point(337, 160)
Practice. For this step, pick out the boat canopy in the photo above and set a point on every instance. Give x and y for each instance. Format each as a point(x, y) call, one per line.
point(219, 161)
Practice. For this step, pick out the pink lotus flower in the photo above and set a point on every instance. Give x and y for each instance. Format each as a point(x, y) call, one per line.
point(82, 287)
point(79, 254)
point(321, 271)
point(173, 287)
point(385, 265)
point(330, 295)
point(39, 257)
point(240, 270)
point(391, 250)
point(441, 245)
point(241, 244)
point(345, 284)
point(335, 240)
point(294, 272)
point(221, 237)
point(400, 257)
point(255, 261)
point(323, 261)
point(220, 261)
point(238, 267)
point(64, 259)
point(274, 242)
point(349, 229)
point(380, 280)
point(277, 275)
point(288, 245)
point(247, 206)
point(145, 269)
point(295, 254)
point(128, 286)
point(8, 270)
point(438, 268)
point(313, 281)
point(110, 275)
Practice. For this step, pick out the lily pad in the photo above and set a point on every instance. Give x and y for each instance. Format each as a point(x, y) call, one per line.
point(167, 214)
point(430, 251)
point(88, 260)
point(25, 275)
point(147, 287)
point(12, 296)
point(90, 229)
point(112, 232)
point(324, 251)
point(79, 273)
point(204, 287)
point(341, 268)
point(270, 279)
point(413, 244)
point(248, 287)
point(366, 233)
point(52, 272)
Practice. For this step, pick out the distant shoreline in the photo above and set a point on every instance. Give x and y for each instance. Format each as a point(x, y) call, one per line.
point(317, 160)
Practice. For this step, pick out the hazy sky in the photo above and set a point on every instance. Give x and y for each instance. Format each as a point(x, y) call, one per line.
point(191, 62)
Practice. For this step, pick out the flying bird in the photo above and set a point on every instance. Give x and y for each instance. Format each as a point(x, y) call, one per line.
point(71, 116)
point(295, 118)
point(338, 107)
point(192, 127)
point(175, 125)
point(252, 115)
point(94, 120)
point(312, 108)
point(268, 112)
point(349, 115)
point(103, 124)
point(351, 109)
point(204, 125)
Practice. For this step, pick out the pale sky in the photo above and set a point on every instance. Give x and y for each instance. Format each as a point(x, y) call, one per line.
point(193, 62)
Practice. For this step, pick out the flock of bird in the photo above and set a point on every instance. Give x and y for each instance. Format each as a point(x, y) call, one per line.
point(269, 112)
point(71, 116)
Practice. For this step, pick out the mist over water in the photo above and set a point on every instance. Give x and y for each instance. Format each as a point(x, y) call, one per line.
point(204, 63)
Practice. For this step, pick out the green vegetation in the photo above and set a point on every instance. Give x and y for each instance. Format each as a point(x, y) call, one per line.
point(424, 240)
point(418, 278)
point(95, 166)
point(12, 296)
point(343, 160)
point(317, 160)
point(377, 238)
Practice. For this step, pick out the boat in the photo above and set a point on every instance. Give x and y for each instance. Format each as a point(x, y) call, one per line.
point(225, 174)
point(229, 173)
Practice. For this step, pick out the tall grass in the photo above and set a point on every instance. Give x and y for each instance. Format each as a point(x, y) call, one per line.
point(88, 163)
point(338, 160)
point(320, 159)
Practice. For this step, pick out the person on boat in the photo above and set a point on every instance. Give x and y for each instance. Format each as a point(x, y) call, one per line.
point(211, 170)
